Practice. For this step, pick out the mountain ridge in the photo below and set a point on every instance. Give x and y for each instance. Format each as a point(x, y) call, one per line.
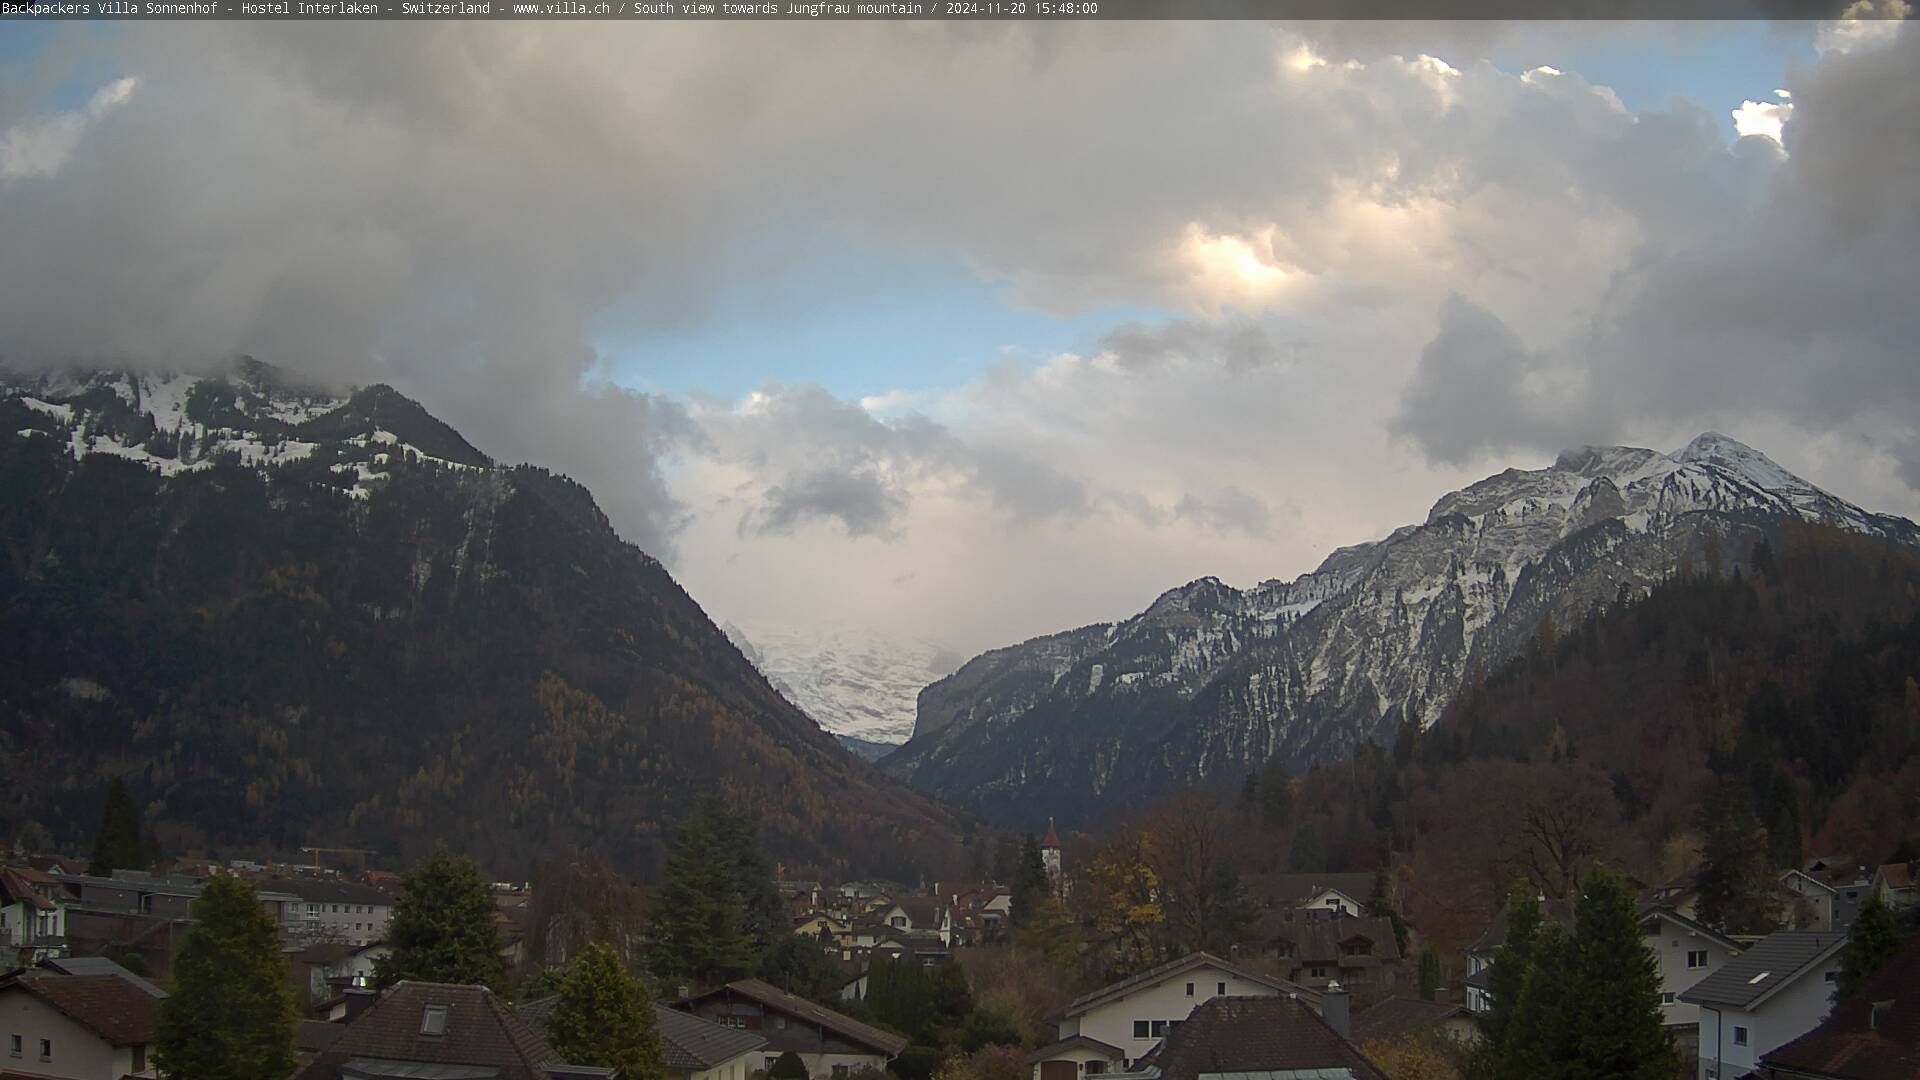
point(1209, 681)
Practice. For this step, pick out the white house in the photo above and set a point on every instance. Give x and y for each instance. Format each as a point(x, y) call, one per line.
point(1111, 1028)
point(1687, 952)
point(1775, 992)
point(335, 910)
point(33, 919)
point(832, 1046)
point(697, 1050)
point(920, 914)
point(76, 1027)
point(1898, 885)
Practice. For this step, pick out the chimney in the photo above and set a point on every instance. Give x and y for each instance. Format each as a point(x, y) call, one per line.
point(1337, 1010)
point(359, 1000)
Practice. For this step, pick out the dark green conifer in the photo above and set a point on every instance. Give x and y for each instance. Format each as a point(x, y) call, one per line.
point(231, 1013)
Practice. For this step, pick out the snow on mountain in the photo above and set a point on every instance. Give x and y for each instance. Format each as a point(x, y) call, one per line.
point(854, 682)
point(1210, 680)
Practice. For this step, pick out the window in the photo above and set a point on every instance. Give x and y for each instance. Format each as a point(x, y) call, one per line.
point(1139, 1029)
point(839, 1072)
point(1319, 972)
point(1221, 988)
point(1832, 976)
point(46, 1049)
point(433, 1020)
point(771, 1060)
point(780, 1022)
point(139, 1059)
point(1696, 958)
point(1159, 1028)
point(1095, 1068)
point(1189, 989)
point(1739, 1035)
point(17, 1040)
point(1666, 998)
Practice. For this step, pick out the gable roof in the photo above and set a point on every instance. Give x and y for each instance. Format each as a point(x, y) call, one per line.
point(771, 997)
point(1774, 961)
point(15, 888)
point(1692, 926)
point(98, 965)
point(1495, 935)
point(480, 1031)
point(1358, 886)
point(1859, 1043)
point(1397, 1016)
point(1171, 969)
point(693, 1044)
point(1900, 875)
point(1076, 1042)
point(1258, 1035)
point(923, 910)
point(119, 1012)
point(1316, 940)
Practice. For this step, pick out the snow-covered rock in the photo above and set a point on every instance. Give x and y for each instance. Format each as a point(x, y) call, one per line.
point(855, 682)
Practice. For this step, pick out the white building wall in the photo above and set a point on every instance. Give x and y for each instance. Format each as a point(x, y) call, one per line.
point(1080, 1057)
point(76, 1053)
point(1670, 944)
point(1166, 1001)
point(738, 1067)
point(1780, 1019)
point(355, 924)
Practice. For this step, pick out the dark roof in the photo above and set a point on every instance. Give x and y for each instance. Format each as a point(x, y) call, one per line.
point(1859, 1042)
point(480, 1031)
point(1495, 935)
point(313, 1036)
point(1359, 885)
point(1319, 940)
point(1052, 839)
point(693, 1044)
point(323, 952)
point(15, 888)
point(98, 965)
point(1771, 963)
point(1692, 926)
point(1258, 1034)
point(1171, 969)
point(1397, 1016)
point(772, 997)
point(107, 1005)
point(1076, 1042)
point(322, 891)
point(923, 910)
point(1901, 875)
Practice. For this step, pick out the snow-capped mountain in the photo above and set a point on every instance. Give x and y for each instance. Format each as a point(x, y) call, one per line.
point(1211, 680)
point(854, 682)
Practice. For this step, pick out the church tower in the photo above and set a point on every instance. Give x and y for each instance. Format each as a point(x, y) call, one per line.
point(1050, 856)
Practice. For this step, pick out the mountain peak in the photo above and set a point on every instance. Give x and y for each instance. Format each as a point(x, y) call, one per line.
point(1713, 448)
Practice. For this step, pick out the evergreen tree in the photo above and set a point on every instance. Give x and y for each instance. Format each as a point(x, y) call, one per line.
point(801, 967)
point(1030, 884)
point(952, 997)
point(1871, 942)
point(442, 928)
point(1308, 855)
point(118, 845)
point(764, 915)
point(1783, 824)
point(1620, 1033)
point(1276, 794)
point(698, 927)
point(1736, 884)
point(605, 1018)
point(901, 996)
point(788, 1066)
point(231, 1013)
point(1538, 1041)
point(1512, 962)
point(1429, 974)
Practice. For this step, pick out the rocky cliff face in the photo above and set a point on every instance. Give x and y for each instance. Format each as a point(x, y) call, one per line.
point(1211, 681)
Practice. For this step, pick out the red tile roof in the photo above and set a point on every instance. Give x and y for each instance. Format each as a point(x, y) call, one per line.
point(111, 1007)
point(1860, 1041)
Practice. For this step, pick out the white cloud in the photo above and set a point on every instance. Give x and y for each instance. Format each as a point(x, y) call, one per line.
point(41, 148)
point(1768, 118)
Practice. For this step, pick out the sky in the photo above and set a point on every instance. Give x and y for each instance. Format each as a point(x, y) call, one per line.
point(976, 332)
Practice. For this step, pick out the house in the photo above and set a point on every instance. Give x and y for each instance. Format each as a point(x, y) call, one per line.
point(1340, 894)
point(441, 1030)
point(831, 1045)
point(1114, 1027)
point(323, 969)
point(334, 910)
point(76, 1027)
point(1268, 1037)
point(1681, 893)
point(1480, 952)
point(1898, 885)
point(694, 1048)
point(1874, 1035)
point(1830, 889)
point(920, 914)
point(1362, 954)
point(33, 917)
point(1687, 953)
point(98, 965)
point(1769, 995)
point(1399, 1016)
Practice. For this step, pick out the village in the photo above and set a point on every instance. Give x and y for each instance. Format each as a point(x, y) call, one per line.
point(943, 979)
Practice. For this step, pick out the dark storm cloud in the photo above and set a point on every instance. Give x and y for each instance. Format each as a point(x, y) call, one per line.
point(860, 501)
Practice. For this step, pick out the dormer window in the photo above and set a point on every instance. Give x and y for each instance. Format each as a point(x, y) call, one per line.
point(433, 1021)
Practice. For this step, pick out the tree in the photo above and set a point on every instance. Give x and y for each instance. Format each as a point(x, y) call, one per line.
point(231, 1013)
point(577, 899)
point(801, 967)
point(763, 914)
point(987, 1027)
point(788, 1066)
point(1308, 855)
point(1276, 794)
point(901, 996)
point(118, 846)
point(605, 1018)
point(1030, 884)
point(698, 929)
point(1871, 942)
point(1429, 974)
point(442, 928)
point(1620, 1033)
point(1512, 963)
point(1736, 885)
point(1537, 1041)
point(1116, 896)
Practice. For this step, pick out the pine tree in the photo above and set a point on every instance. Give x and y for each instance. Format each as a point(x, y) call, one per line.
point(1429, 974)
point(1620, 1033)
point(605, 1018)
point(698, 929)
point(1030, 885)
point(442, 928)
point(1736, 885)
point(118, 846)
point(231, 1013)
point(788, 1066)
point(1871, 942)
point(764, 914)
point(1512, 962)
point(1538, 1041)
point(1308, 855)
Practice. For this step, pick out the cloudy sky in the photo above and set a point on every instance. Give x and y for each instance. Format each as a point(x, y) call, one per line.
point(974, 332)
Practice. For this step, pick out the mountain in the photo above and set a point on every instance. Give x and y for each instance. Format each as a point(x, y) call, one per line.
point(859, 684)
point(290, 618)
point(1212, 681)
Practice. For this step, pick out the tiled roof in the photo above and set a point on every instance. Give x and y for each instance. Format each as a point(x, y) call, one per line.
point(923, 910)
point(107, 1005)
point(321, 891)
point(1316, 941)
point(1769, 964)
point(1860, 1042)
point(1258, 1034)
point(1171, 969)
point(99, 965)
point(1900, 875)
point(16, 889)
point(313, 1036)
point(1076, 1042)
point(1495, 935)
point(771, 997)
point(693, 1044)
point(1397, 1016)
point(1692, 926)
point(1359, 886)
point(480, 1030)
